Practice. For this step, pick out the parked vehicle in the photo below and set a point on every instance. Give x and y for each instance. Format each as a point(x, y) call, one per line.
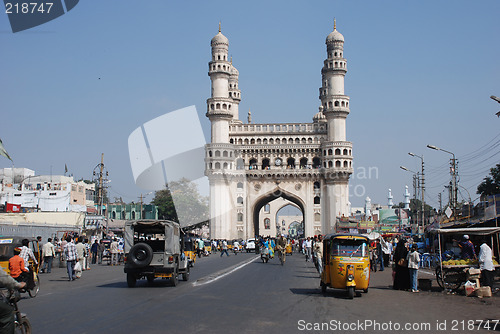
point(154, 249)
point(189, 250)
point(346, 263)
point(250, 245)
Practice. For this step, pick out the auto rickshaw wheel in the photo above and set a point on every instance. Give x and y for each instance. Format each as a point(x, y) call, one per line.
point(185, 276)
point(131, 280)
point(350, 292)
point(323, 288)
point(150, 279)
point(365, 290)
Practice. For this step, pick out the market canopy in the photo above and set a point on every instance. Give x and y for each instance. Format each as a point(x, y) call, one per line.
point(470, 230)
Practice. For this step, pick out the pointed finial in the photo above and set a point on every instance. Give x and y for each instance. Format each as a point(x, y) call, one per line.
point(219, 26)
point(334, 24)
point(249, 118)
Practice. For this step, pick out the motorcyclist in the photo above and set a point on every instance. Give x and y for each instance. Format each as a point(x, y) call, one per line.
point(281, 246)
point(7, 324)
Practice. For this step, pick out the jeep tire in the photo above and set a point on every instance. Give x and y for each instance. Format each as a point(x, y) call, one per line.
point(175, 278)
point(140, 255)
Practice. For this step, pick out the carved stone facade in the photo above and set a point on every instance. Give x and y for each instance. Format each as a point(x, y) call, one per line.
point(251, 165)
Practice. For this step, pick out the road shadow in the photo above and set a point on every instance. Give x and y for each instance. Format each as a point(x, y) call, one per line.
point(303, 276)
point(335, 293)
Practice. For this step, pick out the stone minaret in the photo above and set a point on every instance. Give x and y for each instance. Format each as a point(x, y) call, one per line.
point(222, 109)
point(337, 152)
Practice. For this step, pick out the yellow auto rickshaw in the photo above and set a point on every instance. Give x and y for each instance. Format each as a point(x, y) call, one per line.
point(189, 250)
point(346, 263)
point(7, 245)
point(288, 249)
point(208, 246)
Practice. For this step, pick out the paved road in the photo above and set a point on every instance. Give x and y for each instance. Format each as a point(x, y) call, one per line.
point(236, 294)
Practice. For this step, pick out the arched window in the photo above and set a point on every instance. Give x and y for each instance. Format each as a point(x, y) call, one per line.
point(330, 164)
point(345, 151)
point(266, 164)
point(253, 163)
point(240, 163)
point(345, 164)
point(246, 141)
point(224, 154)
point(330, 151)
point(240, 217)
point(217, 106)
point(316, 200)
point(309, 140)
point(239, 185)
point(283, 141)
point(217, 154)
point(290, 162)
point(297, 141)
point(210, 154)
point(264, 141)
point(231, 141)
point(240, 141)
point(267, 224)
point(303, 163)
point(259, 141)
point(329, 104)
point(252, 141)
point(337, 151)
point(225, 165)
point(217, 165)
point(239, 200)
point(316, 162)
point(271, 141)
point(337, 163)
point(316, 185)
point(336, 103)
point(303, 140)
point(267, 208)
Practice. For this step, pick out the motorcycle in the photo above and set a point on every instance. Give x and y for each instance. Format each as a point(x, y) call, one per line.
point(22, 323)
point(264, 254)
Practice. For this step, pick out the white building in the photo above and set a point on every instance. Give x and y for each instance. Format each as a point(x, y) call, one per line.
point(250, 165)
point(48, 193)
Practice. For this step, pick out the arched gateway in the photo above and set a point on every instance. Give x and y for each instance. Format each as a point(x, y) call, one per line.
point(249, 165)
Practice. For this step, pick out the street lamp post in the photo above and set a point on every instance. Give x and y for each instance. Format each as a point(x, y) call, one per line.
point(416, 184)
point(454, 183)
point(422, 185)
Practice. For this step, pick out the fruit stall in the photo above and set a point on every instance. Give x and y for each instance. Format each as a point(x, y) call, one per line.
point(452, 274)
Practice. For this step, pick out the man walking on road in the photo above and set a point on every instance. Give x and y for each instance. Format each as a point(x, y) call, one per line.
point(71, 258)
point(48, 256)
point(114, 252)
point(224, 248)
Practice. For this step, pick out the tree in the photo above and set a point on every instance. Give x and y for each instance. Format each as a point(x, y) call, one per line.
point(490, 184)
point(182, 202)
point(166, 208)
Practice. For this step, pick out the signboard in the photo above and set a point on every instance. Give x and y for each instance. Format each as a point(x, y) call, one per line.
point(14, 208)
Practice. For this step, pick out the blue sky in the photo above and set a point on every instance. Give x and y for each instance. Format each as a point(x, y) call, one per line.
point(418, 73)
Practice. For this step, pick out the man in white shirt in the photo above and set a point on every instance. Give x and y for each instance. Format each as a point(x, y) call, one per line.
point(486, 264)
point(48, 256)
point(308, 244)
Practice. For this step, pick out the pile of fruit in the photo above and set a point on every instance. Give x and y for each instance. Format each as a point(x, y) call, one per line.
point(468, 262)
point(460, 262)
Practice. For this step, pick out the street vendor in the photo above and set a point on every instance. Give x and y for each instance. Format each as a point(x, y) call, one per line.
point(467, 248)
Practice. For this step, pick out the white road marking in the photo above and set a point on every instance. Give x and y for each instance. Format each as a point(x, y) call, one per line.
point(210, 279)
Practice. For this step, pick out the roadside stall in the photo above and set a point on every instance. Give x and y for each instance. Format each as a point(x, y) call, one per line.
point(452, 273)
